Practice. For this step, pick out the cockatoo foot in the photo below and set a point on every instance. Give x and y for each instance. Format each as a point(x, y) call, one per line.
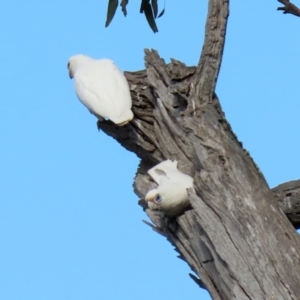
point(100, 120)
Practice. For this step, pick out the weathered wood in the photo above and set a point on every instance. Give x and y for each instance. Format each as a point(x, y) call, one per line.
point(288, 197)
point(236, 238)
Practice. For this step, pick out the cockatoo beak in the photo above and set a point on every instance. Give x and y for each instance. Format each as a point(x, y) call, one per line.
point(152, 197)
point(151, 205)
point(149, 199)
point(70, 74)
point(150, 202)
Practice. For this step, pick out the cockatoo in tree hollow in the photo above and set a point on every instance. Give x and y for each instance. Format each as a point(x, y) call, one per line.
point(171, 195)
point(102, 88)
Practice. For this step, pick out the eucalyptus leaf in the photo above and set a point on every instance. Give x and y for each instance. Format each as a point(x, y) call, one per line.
point(163, 11)
point(147, 10)
point(154, 7)
point(111, 10)
point(123, 5)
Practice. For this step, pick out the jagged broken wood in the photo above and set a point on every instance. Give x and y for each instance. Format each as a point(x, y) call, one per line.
point(235, 238)
point(288, 197)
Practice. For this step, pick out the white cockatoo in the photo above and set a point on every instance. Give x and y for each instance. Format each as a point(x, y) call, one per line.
point(171, 195)
point(102, 88)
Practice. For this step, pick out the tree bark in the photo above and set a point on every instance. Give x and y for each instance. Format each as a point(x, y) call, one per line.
point(235, 238)
point(288, 197)
point(289, 8)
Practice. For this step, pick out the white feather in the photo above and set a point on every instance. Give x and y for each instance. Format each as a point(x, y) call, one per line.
point(172, 188)
point(102, 88)
point(167, 166)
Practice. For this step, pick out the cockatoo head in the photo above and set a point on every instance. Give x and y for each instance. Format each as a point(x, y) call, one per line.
point(154, 197)
point(171, 195)
point(77, 61)
point(170, 198)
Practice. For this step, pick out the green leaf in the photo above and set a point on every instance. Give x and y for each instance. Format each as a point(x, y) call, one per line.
point(147, 10)
point(142, 6)
point(163, 11)
point(154, 7)
point(111, 10)
point(123, 5)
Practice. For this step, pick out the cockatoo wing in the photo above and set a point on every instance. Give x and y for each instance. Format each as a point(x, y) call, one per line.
point(104, 90)
point(168, 169)
point(175, 187)
point(163, 169)
point(164, 181)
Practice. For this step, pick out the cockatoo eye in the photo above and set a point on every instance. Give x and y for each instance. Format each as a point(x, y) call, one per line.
point(158, 198)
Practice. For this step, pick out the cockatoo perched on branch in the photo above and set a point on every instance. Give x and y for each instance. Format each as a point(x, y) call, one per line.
point(171, 194)
point(102, 88)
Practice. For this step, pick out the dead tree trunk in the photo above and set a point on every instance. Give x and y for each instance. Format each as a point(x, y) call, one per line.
point(235, 238)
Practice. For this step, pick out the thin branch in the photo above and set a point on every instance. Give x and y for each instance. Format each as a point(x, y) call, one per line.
point(212, 51)
point(289, 8)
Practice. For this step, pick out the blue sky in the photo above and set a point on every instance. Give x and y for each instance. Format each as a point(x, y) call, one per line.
point(70, 226)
